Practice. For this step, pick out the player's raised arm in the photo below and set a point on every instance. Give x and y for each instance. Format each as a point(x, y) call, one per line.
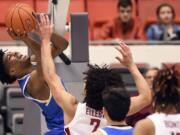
point(63, 98)
point(144, 97)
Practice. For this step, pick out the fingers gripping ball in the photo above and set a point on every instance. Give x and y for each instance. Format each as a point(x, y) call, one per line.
point(20, 18)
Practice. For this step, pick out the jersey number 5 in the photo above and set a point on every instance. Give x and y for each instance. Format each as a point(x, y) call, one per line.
point(95, 123)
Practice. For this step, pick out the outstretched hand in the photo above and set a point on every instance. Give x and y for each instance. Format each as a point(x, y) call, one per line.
point(45, 27)
point(126, 59)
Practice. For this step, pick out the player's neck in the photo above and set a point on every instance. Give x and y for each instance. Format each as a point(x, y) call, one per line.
point(114, 123)
point(117, 123)
point(26, 71)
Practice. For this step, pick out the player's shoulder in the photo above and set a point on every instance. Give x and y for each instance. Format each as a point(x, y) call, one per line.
point(144, 126)
point(146, 122)
point(97, 133)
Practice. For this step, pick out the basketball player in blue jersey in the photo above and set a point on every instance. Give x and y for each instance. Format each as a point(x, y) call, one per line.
point(14, 66)
point(116, 103)
point(85, 118)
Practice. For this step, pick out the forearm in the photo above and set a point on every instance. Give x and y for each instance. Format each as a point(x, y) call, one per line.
point(47, 60)
point(63, 98)
point(49, 72)
point(144, 95)
point(141, 84)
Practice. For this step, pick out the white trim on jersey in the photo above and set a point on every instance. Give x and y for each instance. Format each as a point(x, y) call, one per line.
point(25, 84)
point(121, 128)
point(44, 101)
point(31, 98)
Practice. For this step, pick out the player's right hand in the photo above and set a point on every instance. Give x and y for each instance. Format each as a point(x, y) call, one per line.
point(15, 35)
point(126, 59)
point(45, 27)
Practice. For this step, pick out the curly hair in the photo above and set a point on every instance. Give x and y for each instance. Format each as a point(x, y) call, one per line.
point(4, 76)
point(96, 80)
point(166, 88)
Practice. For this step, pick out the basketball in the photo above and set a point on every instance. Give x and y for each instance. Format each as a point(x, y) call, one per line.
point(20, 18)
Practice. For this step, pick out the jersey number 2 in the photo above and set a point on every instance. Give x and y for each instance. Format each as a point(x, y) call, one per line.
point(95, 123)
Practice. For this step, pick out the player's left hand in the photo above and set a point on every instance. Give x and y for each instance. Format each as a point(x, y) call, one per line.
point(45, 27)
point(126, 59)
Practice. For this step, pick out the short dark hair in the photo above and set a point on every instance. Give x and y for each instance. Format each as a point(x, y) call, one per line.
point(4, 76)
point(166, 87)
point(116, 101)
point(165, 5)
point(124, 3)
point(96, 80)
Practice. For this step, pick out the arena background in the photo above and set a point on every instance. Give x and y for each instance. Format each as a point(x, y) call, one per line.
point(15, 117)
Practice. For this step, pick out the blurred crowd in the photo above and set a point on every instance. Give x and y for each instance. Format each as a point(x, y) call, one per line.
point(117, 19)
point(126, 26)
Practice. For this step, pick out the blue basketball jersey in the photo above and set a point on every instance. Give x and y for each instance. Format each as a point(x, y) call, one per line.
point(112, 130)
point(52, 112)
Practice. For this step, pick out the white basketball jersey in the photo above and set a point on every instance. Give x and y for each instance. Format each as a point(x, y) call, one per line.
point(85, 121)
point(166, 124)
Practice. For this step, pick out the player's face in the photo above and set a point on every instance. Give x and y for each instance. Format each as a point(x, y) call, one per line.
point(15, 62)
point(125, 13)
point(150, 75)
point(166, 15)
